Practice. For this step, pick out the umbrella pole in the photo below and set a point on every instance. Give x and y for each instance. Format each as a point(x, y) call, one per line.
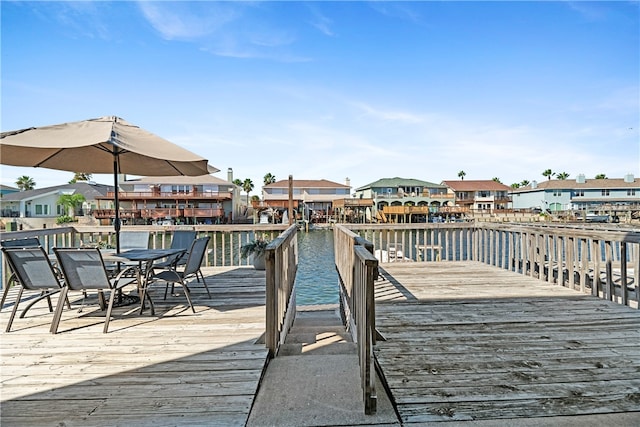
point(116, 221)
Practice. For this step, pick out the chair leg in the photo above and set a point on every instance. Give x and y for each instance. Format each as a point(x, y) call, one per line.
point(58, 314)
point(6, 290)
point(204, 282)
point(15, 309)
point(112, 297)
point(187, 293)
point(46, 295)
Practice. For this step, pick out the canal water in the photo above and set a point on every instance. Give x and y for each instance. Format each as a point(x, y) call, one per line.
point(316, 280)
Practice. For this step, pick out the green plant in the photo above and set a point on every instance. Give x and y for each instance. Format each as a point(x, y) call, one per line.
point(255, 247)
point(63, 219)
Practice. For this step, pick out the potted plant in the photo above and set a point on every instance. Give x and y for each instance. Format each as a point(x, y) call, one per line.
point(256, 249)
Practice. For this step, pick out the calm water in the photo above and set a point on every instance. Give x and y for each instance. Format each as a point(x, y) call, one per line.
point(317, 280)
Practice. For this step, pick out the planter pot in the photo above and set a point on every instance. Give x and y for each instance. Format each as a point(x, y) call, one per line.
point(258, 262)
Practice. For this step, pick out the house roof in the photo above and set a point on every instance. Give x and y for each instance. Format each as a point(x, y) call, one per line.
point(193, 180)
point(8, 188)
point(89, 190)
point(400, 182)
point(307, 183)
point(571, 184)
point(476, 185)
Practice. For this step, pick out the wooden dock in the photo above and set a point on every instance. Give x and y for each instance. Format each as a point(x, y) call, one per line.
point(174, 368)
point(464, 341)
point(467, 341)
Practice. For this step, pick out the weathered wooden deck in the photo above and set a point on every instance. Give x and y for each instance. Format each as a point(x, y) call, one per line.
point(467, 341)
point(174, 368)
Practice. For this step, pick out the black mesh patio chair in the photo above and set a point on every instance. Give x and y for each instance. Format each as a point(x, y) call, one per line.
point(83, 270)
point(182, 239)
point(32, 271)
point(191, 270)
point(134, 240)
point(29, 242)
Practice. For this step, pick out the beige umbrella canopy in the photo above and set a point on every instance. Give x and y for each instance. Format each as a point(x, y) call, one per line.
point(103, 145)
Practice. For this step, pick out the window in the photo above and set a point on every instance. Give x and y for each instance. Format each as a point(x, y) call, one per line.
point(631, 192)
point(42, 209)
point(579, 193)
point(557, 193)
point(180, 189)
point(605, 192)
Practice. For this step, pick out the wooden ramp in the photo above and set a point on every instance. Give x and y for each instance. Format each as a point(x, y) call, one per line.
point(174, 368)
point(467, 341)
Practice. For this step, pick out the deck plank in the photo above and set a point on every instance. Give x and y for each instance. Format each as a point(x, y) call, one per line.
point(174, 368)
point(467, 341)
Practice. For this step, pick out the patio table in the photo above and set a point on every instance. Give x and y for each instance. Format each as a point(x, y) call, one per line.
point(145, 259)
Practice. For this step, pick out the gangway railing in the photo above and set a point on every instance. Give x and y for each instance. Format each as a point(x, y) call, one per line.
point(281, 262)
point(357, 269)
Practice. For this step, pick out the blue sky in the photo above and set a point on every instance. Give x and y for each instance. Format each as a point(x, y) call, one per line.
point(330, 90)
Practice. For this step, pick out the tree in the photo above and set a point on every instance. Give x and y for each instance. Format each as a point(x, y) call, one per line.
point(515, 185)
point(237, 182)
point(462, 174)
point(25, 183)
point(80, 176)
point(562, 176)
point(247, 186)
point(71, 202)
point(524, 183)
point(269, 179)
point(548, 173)
point(601, 176)
point(496, 179)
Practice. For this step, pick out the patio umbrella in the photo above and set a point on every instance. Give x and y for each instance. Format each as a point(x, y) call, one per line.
point(103, 145)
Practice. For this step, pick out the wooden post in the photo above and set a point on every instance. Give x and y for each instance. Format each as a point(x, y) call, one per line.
point(291, 219)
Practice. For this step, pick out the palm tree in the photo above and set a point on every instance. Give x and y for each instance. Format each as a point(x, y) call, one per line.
point(25, 183)
point(548, 173)
point(80, 176)
point(524, 183)
point(496, 179)
point(461, 175)
point(237, 182)
point(562, 176)
point(515, 185)
point(269, 179)
point(71, 202)
point(247, 186)
point(601, 176)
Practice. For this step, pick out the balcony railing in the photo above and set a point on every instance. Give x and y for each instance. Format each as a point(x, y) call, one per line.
point(147, 195)
point(407, 195)
point(203, 212)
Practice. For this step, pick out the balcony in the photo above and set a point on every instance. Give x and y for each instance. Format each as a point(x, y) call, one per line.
point(158, 213)
point(203, 212)
point(157, 195)
point(111, 213)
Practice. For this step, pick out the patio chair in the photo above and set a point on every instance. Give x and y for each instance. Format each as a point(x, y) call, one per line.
point(134, 240)
point(83, 270)
point(191, 269)
point(33, 271)
point(182, 239)
point(29, 242)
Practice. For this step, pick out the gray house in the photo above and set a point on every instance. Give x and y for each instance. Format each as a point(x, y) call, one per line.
point(41, 203)
point(581, 194)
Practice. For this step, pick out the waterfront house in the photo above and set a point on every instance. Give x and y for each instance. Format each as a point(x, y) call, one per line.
point(401, 198)
point(5, 189)
point(479, 195)
point(39, 207)
point(312, 198)
point(173, 200)
point(600, 196)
